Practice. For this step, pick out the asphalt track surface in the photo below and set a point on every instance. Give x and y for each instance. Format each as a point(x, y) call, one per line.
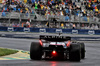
point(92, 54)
point(27, 35)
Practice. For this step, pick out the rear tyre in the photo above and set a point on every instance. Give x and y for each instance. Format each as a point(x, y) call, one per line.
point(75, 52)
point(82, 50)
point(35, 51)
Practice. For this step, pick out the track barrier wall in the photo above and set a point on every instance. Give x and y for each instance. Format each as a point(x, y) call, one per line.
point(51, 30)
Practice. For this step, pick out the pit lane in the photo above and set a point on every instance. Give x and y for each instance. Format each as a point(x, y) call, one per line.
point(92, 54)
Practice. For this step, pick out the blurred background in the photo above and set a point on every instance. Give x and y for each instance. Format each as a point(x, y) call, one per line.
point(65, 14)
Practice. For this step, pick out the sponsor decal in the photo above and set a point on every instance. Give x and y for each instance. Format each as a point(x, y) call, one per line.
point(26, 29)
point(50, 37)
point(42, 30)
point(10, 29)
point(74, 31)
point(58, 30)
point(91, 32)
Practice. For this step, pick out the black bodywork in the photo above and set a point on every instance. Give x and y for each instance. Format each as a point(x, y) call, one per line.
point(67, 49)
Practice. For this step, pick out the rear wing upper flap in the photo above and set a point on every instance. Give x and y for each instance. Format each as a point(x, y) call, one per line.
point(55, 38)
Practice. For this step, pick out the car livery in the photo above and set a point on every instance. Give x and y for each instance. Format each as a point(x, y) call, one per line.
point(57, 47)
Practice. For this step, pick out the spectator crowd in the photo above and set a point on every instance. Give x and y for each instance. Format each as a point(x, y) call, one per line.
point(94, 6)
point(15, 6)
point(69, 9)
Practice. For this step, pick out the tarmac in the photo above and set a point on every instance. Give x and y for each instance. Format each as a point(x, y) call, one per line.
point(28, 35)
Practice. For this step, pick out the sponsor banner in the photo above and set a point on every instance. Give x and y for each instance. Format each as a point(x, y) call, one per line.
point(42, 30)
point(10, 29)
point(58, 30)
point(74, 31)
point(3, 28)
point(97, 32)
point(68, 31)
point(82, 31)
point(26, 29)
point(91, 32)
point(34, 29)
point(18, 29)
point(51, 30)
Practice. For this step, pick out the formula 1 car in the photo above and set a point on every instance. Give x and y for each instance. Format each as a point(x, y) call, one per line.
point(57, 47)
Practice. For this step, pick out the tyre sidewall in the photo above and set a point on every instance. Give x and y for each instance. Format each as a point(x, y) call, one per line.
point(35, 51)
point(75, 52)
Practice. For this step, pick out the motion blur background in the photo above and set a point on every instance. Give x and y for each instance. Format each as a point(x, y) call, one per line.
point(65, 14)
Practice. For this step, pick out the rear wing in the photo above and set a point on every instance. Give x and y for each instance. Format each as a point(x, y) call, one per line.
point(55, 38)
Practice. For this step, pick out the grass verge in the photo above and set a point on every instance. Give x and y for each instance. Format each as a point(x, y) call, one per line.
point(4, 51)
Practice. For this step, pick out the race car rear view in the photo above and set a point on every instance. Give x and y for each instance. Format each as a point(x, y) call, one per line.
point(57, 47)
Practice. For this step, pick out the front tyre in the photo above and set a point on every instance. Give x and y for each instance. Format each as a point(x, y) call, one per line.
point(35, 51)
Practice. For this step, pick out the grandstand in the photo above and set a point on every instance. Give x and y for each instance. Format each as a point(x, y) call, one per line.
point(65, 14)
